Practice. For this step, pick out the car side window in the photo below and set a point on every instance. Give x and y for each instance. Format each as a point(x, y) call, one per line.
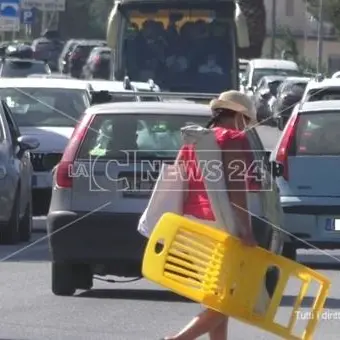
point(13, 128)
point(257, 146)
point(246, 75)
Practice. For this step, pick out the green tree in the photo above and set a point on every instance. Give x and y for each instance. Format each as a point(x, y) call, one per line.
point(331, 11)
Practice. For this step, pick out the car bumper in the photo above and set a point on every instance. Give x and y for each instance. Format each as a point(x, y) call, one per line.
point(306, 221)
point(97, 238)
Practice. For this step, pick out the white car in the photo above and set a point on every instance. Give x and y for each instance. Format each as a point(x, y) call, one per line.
point(258, 68)
point(47, 109)
point(327, 89)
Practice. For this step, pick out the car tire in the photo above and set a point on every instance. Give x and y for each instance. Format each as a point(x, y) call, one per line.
point(83, 277)
point(10, 232)
point(25, 225)
point(62, 279)
point(289, 251)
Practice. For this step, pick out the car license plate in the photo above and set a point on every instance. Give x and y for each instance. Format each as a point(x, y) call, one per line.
point(332, 224)
point(138, 188)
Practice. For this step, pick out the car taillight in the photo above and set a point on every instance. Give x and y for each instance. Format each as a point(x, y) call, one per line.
point(286, 143)
point(64, 168)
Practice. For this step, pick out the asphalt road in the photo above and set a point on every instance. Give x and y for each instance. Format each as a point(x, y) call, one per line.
point(131, 311)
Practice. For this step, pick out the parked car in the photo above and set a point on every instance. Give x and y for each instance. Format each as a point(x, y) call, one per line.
point(98, 64)
point(79, 55)
point(96, 205)
point(15, 180)
point(309, 151)
point(258, 68)
point(48, 110)
point(18, 68)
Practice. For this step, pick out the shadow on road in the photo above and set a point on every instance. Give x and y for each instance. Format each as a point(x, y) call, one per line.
point(133, 294)
point(308, 301)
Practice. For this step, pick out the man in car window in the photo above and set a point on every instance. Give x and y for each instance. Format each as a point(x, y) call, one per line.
point(210, 66)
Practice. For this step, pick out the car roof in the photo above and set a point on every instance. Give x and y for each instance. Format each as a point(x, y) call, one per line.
point(328, 82)
point(273, 78)
point(274, 63)
point(118, 86)
point(27, 60)
point(173, 108)
point(297, 79)
point(323, 105)
point(44, 83)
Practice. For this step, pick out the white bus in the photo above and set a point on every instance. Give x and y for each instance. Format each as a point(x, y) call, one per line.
point(182, 45)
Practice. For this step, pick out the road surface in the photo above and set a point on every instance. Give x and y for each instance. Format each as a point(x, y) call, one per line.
point(133, 311)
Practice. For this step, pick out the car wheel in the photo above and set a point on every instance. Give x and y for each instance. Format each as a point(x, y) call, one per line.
point(25, 225)
point(10, 232)
point(83, 277)
point(289, 251)
point(62, 279)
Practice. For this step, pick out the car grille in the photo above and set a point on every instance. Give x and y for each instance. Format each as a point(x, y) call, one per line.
point(44, 161)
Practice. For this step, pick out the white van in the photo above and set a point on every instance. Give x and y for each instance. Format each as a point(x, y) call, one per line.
point(258, 68)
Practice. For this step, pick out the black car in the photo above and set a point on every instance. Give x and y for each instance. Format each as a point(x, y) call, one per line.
point(79, 55)
point(285, 104)
point(47, 50)
point(63, 63)
point(19, 68)
point(98, 64)
point(264, 96)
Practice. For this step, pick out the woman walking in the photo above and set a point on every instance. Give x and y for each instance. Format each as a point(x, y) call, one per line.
point(232, 112)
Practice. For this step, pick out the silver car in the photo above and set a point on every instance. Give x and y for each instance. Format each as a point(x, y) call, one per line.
point(15, 180)
point(100, 190)
point(46, 109)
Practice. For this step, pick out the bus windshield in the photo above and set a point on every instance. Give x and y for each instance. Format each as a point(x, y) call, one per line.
point(182, 50)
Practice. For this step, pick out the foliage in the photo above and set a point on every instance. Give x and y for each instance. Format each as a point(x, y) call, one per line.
point(331, 11)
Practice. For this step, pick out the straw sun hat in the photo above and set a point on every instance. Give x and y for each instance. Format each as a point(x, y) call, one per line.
point(236, 101)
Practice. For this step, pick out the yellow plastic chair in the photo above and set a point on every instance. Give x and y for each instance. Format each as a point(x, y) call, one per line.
point(213, 268)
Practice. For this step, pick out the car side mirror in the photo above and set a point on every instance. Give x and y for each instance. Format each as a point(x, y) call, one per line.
point(26, 143)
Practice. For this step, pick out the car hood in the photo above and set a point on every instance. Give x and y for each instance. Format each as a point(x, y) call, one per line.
point(51, 139)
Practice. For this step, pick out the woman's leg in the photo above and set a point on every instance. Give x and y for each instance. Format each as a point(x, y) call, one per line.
point(220, 332)
point(201, 324)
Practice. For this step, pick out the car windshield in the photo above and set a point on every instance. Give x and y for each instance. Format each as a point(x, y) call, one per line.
point(182, 50)
point(289, 86)
point(21, 69)
point(262, 72)
point(142, 136)
point(318, 134)
point(45, 106)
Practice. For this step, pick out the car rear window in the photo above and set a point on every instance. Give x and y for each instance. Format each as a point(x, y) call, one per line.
point(45, 107)
point(318, 134)
point(19, 69)
point(323, 94)
point(144, 135)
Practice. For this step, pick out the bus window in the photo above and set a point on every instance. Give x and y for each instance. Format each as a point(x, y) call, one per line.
point(181, 50)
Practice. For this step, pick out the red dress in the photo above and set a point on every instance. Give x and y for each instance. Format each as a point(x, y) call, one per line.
point(197, 203)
